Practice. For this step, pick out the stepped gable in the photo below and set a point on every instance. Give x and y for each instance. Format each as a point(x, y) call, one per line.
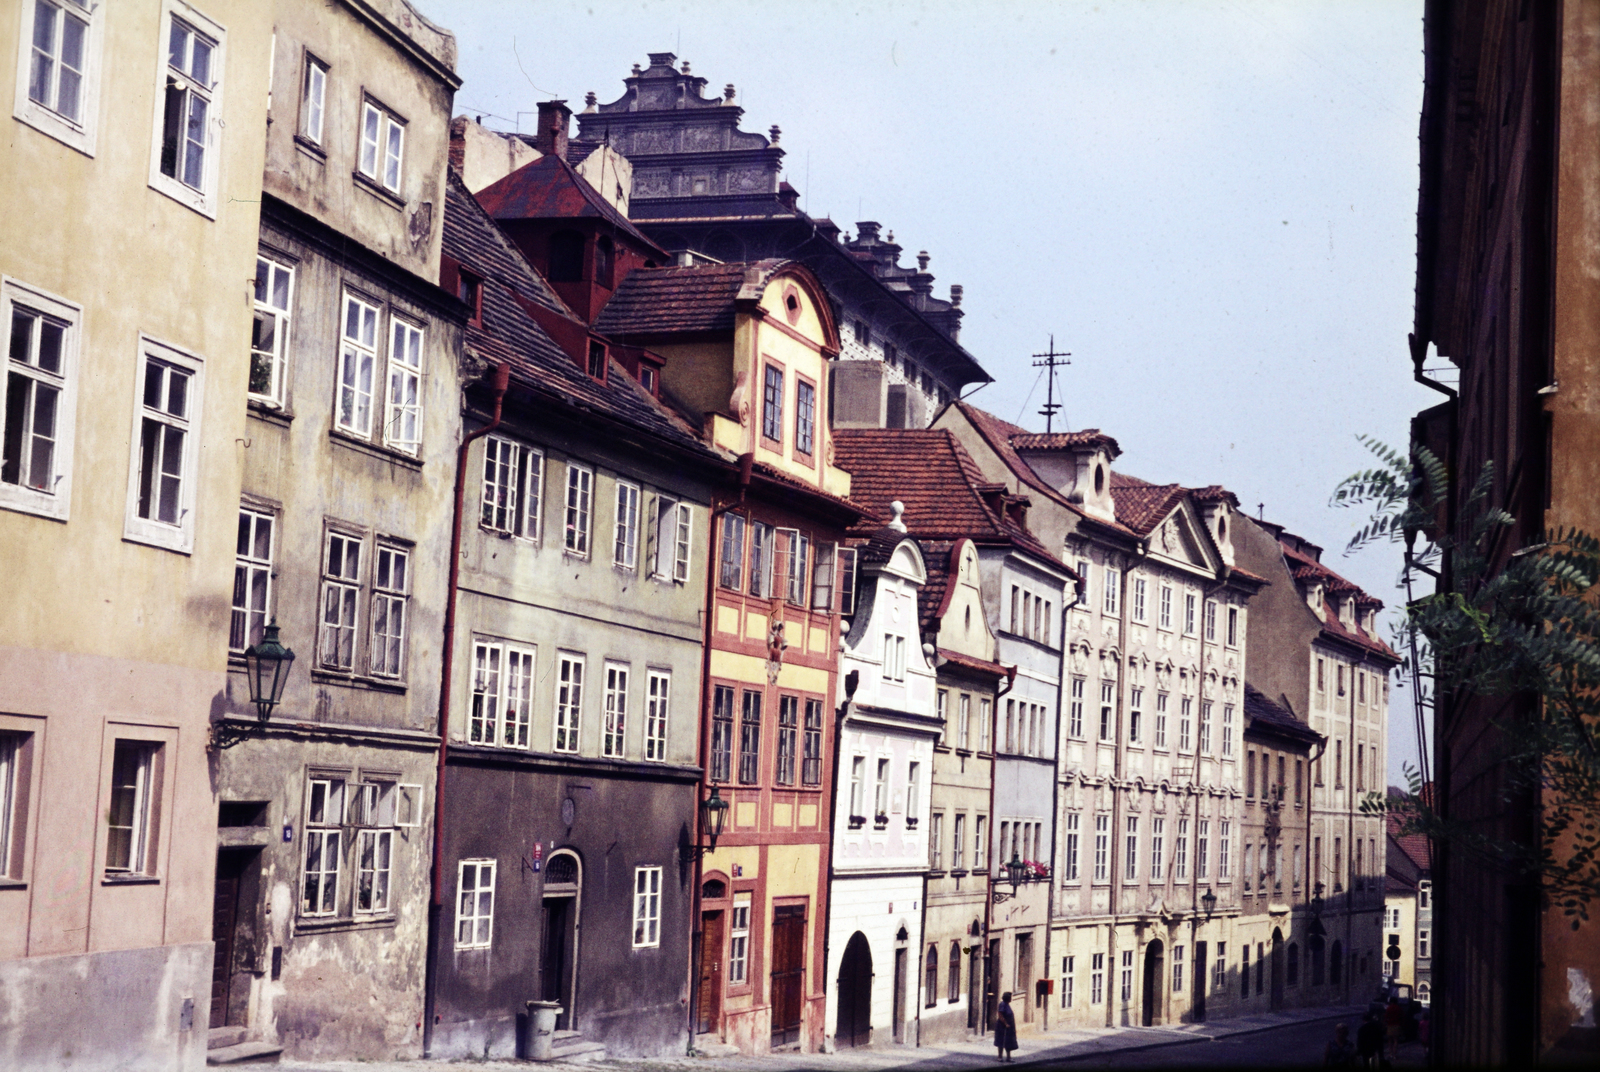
point(945, 494)
point(654, 301)
point(551, 188)
point(510, 333)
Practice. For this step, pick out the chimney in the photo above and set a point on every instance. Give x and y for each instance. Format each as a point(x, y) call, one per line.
point(554, 120)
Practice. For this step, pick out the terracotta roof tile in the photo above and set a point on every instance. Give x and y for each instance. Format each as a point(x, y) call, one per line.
point(1088, 437)
point(551, 188)
point(1307, 569)
point(665, 301)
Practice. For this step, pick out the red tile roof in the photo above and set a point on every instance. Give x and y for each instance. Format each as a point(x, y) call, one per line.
point(1306, 569)
point(1088, 437)
point(982, 666)
point(1142, 505)
point(551, 188)
point(669, 301)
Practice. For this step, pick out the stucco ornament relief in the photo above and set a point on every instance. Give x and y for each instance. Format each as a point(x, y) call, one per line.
point(1080, 658)
point(1169, 536)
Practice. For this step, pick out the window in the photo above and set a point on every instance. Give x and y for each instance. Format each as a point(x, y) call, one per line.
point(1185, 711)
point(1160, 740)
point(1158, 837)
point(357, 360)
point(1205, 726)
point(1338, 764)
point(1135, 702)
point(341, 596)
point(1202, 860)
point(625, 549)
point(953, 994)
point(805, 416)
point(1224, 843)
point(613, 737)
point(374, 861)
point(252, 579)
point(930, 977)
point(1010, 734)
point(763, 537)
point(597, 351)
point(1113, 590)
point(580, 494)
point(1227, 731)
point(858, 775)
point(772, 404)
point(1068, 977)
point(822, 578)
point(936, 841)
point(730, 573)
point(1361, 766)
point(1233, 627)
point(788, 734)
point(1180, 853)
point(269, 335)
point(980, 826)
point(739, 939)
point(390, 594)
point(913, 787)
point(1244, 969)
point(1424, 892)
point(184, 168)
point(941, 710)
point(1164, 616)
point(502, 694)
point(1219, 970)
point(646, 907)
point(1177, 969)
point(569, 701)
point(475, 906)
point(1339, 676)
point(1361, 687)
point(847, 581)
point(1131, 855)
point(313, 94)
point(1422, 945)
point(794, 549)
point(1338, 864)
point(402, 428)
point(750, 740)
point(1189, 613)
point(894, 657)
point(1211, 619)
point(1139, 585)
point(1108, 696)
point(1097, 978)
point(721, 733)
point(862, 332)
point(811, 758)
point(673, 534)
point(58, 77)
point(985, 715)
point(382, 146)
point(167, 423)
point(513, 482)
point(135, 796)
point(324, 841)
point(880, 792)
point(1127, 975)
point(655, 715)
point(964, 731)
point(38, 398)
point(958, 846)
point(1102, 847)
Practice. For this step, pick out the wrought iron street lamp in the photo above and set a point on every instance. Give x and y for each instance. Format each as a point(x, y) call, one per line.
point(1016, 874)
point(267, 671)
point(1209, 903)
point(713, 817)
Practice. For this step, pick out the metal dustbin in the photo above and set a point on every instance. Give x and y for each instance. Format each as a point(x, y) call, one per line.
point(541, 1029)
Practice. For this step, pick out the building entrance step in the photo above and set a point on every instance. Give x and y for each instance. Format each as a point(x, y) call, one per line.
point(260, 1053)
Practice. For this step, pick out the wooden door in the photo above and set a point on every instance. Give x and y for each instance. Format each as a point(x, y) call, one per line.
point(1154, 970)
point(224, 924)
point(708, 1009)
point(555, 966)
point(1198, 1005)
point(853, 1017)
point(788, 972)
point(900, 995)
point(1024, 986)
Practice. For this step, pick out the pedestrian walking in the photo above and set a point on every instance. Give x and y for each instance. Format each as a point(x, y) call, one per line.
point(1393, 1017)
point(1340, 1052)
point(1369, 1041)
point(1005, 1029)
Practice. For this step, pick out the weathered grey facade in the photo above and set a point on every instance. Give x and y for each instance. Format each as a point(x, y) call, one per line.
point(343, 538)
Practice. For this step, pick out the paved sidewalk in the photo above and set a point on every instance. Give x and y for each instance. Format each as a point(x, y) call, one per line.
point(1037, 1048)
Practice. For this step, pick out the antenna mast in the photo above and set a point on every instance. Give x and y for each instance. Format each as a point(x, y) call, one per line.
point(1050, 360)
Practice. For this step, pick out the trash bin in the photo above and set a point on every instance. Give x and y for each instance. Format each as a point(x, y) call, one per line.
point(541, 1028)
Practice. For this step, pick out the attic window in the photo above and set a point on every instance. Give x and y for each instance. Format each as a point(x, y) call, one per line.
point(597, 360)
point(792, 302)
point(469, 288)
point(1222, 528)
point(566, 257)
point(647, 378)
point(604, 258)
point(1099, 479)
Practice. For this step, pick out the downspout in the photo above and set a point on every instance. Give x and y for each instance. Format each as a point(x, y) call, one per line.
point(1055, 791)
point(841, 713)
point(500, 382)
point(1115, 907)
point(994, 825)
point(1350, 840)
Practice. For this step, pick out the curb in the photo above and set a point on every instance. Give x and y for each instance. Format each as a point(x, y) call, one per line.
point(1046, 1062)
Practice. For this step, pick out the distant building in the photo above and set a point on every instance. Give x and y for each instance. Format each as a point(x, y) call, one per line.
point(1408, 910)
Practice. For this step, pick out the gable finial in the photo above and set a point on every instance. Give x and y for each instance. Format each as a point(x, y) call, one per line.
point(896, 509)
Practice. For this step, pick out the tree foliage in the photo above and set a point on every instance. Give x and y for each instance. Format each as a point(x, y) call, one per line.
point(1515, 625)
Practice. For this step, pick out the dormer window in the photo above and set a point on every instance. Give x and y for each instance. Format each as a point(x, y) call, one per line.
point(566, 257)
point(647, 378)
point(1099, 479)
point(604, 262)
point(597, 360)
point(469, 288)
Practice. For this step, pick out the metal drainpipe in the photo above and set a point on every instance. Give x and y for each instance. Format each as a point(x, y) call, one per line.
point(1115, 906)
point(498, 385)
point(1055, 791)
point(1350, 843)
point(994, 825)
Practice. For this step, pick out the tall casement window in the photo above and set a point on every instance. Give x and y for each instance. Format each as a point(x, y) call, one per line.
point(880, 792)
point(579, 503)
point(613, 737)
point(1075, 708)
point(847, 580)
point(391, 592)
point(1113, 591)
point(985, 715)
point(358, 357)
point(1068, 977)
point(772, 404)
point(858, 800)
point(1164, 608)
point(1108, 699)
point(1070, 868)
point(1211, 619)
point(313, 98)
point(721, 734)
point(1205, 726)
point(14, 754)
point(341, 600)
point(1158, 838)
point(269, 334)
point(625, 538)
point(131, 819)
point(1127, 975)
point(750, 739)
point(1131, 855)
point(59, 69)
point(1180, 853)
point(894, 657)
point(1177, 969)
point(163, 475)
point(1185, 722)
point(763, 540)
point(513, 485)
point(1189, 613)
point(913, 788)
point(1219, 967)
point(1202, 847)
point(1139, 586)
point(646, 907)
point(1135, 714)
point(794, 556)
point(252, 579)
point(953, 994)
point(655, 715)
point(1224, 846)
point(38, 389)
point(1338, 764)
point(190, 95)
point(325, 799)
point(980, 827)
point(1097, 978)
point(383, 136)
point(941, 710)
point(936, 841)
point(788, 738)
point(671, 536)
point(811, 760)
point(930, 977)
point(502, 694)
point(1102, 847)
point(475, 904)
point(1233, 627)
point(824, 563)
point(739, 939)
point(805, 416)
point(964, 725)
point(1160, 736)
point(730, 566)
point(569, 701)
point(402, 426)
point(374, 866)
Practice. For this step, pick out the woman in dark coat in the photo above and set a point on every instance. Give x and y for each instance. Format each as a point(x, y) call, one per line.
point(1005, 1028)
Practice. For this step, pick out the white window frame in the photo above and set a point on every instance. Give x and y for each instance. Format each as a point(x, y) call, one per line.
point(739, 939)
point(180, 536)
point(1113, 593)
point(1227, 729)
point(1097, 978)
point(578, 511)
point(500, 707)
point(1180, 852)
point(614, 728)
point(324, 828)
point(1158, 843)
point(513, 487)
point(1102, 847)
point(1191, 619)
point(313, 99)
point(625, 536)
point(389, 609)
point(1164, 608)
point(1070, 872)
point(56, 502)
point(1139, 586)
point(76, 131)
point(203, 199)
point(252, 577)
point(141, 811)
point(681, 520)
point(380, 159)
point(353, 393)
point(268, 272)
point(1131, 852)
point(402, 410)
point(347, 584)
point(376, 845)
point(475, 905)
point(658, 702)
point(569, 701)
point(1159, 736)
point(646, 907)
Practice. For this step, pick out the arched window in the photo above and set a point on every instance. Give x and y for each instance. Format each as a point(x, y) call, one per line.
point(1316, 960)
point(1336, 965)
point(955, 972)
point(566, 257)
point(562, 870)
point(930, 985)
point(714, 890)
point(1423, 991)
point(1294, 964)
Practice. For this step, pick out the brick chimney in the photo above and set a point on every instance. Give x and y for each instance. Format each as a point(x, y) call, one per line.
point(554, 123)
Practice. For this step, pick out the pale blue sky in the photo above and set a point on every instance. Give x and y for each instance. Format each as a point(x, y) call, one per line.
point(1211, 205)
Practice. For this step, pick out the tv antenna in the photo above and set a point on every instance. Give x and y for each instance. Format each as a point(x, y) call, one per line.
point(1050, 360)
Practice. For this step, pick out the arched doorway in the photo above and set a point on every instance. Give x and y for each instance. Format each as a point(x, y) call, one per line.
point(563, 886)
point(1317, 960)
point(1277, 968)
point(1154, 969)
point(853, 1019)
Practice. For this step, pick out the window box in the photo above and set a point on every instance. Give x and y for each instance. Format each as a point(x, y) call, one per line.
point(857, 822)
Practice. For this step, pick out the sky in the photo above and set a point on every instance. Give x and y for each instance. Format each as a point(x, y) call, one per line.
point(1210, 205)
